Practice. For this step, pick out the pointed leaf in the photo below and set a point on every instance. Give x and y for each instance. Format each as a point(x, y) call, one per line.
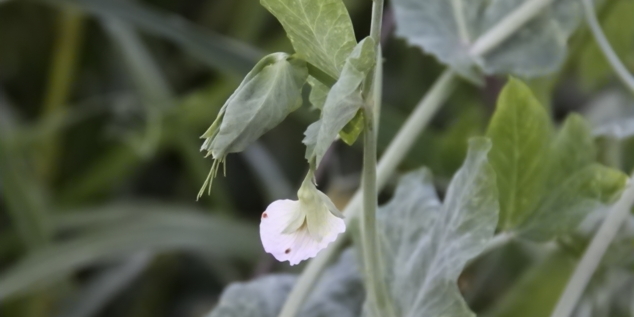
point(346, 96)
point(321, 31)
point(427, 245)
point(520, 132)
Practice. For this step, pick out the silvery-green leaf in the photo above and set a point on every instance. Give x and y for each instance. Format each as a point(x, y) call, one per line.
point(339, 293)
point(263, 297)
point(447, 29)
point(346, 96)
point(520, 132)
point(427, 245)
point(271, 91)
point(318, 93)
point(321, 31)
point(310, 139)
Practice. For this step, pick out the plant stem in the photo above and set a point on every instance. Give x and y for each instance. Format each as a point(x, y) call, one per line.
point(507, 26)
point(377, 21)
point(606, 48)
point(398, 148)
point(402, 143)
point(594, 253)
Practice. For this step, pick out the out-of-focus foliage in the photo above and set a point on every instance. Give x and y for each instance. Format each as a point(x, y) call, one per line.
point(103, 102)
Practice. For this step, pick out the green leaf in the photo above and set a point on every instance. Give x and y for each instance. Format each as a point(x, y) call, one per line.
point(447, 29)
point(520, 132)
point(575, 184)
point(339, 293)
point(318, 93)
point(572, 150)
point(428, 244)
point(271, 91)
point(567, 204)
point(321, 31)
point(346, 96)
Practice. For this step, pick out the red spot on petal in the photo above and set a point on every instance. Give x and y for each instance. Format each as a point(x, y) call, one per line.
point(287, 251)
point(264, 215)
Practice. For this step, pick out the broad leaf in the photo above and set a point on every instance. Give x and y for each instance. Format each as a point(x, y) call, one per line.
point(321, 31)
point(427, 244)
point(346, 96)
point(271, 91)
point(520, 132)
point(447, 29)
point(339, 293)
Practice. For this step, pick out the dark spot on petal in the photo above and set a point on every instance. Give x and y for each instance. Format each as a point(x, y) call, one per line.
point(264, 215)
point(287, 251)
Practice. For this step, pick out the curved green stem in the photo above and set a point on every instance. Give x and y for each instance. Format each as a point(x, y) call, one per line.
point(606, 48)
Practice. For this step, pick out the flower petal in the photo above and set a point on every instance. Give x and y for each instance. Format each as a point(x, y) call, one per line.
point(298, 245)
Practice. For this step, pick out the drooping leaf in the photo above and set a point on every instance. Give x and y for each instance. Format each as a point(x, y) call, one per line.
point(339, 293)
point(520, 132)
point(346, 96)
point(447, 29)
point(321, 31)
point(271, 91)
point(427, 244)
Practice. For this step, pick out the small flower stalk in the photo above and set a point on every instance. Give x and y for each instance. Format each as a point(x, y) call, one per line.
point(296, 230)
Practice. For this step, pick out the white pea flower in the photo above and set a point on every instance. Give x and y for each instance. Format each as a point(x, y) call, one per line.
point(296, 230)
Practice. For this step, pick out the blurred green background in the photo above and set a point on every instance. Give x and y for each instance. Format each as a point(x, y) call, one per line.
point(102, 103)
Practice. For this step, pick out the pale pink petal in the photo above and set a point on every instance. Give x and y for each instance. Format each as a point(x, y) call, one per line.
point(298, 245)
